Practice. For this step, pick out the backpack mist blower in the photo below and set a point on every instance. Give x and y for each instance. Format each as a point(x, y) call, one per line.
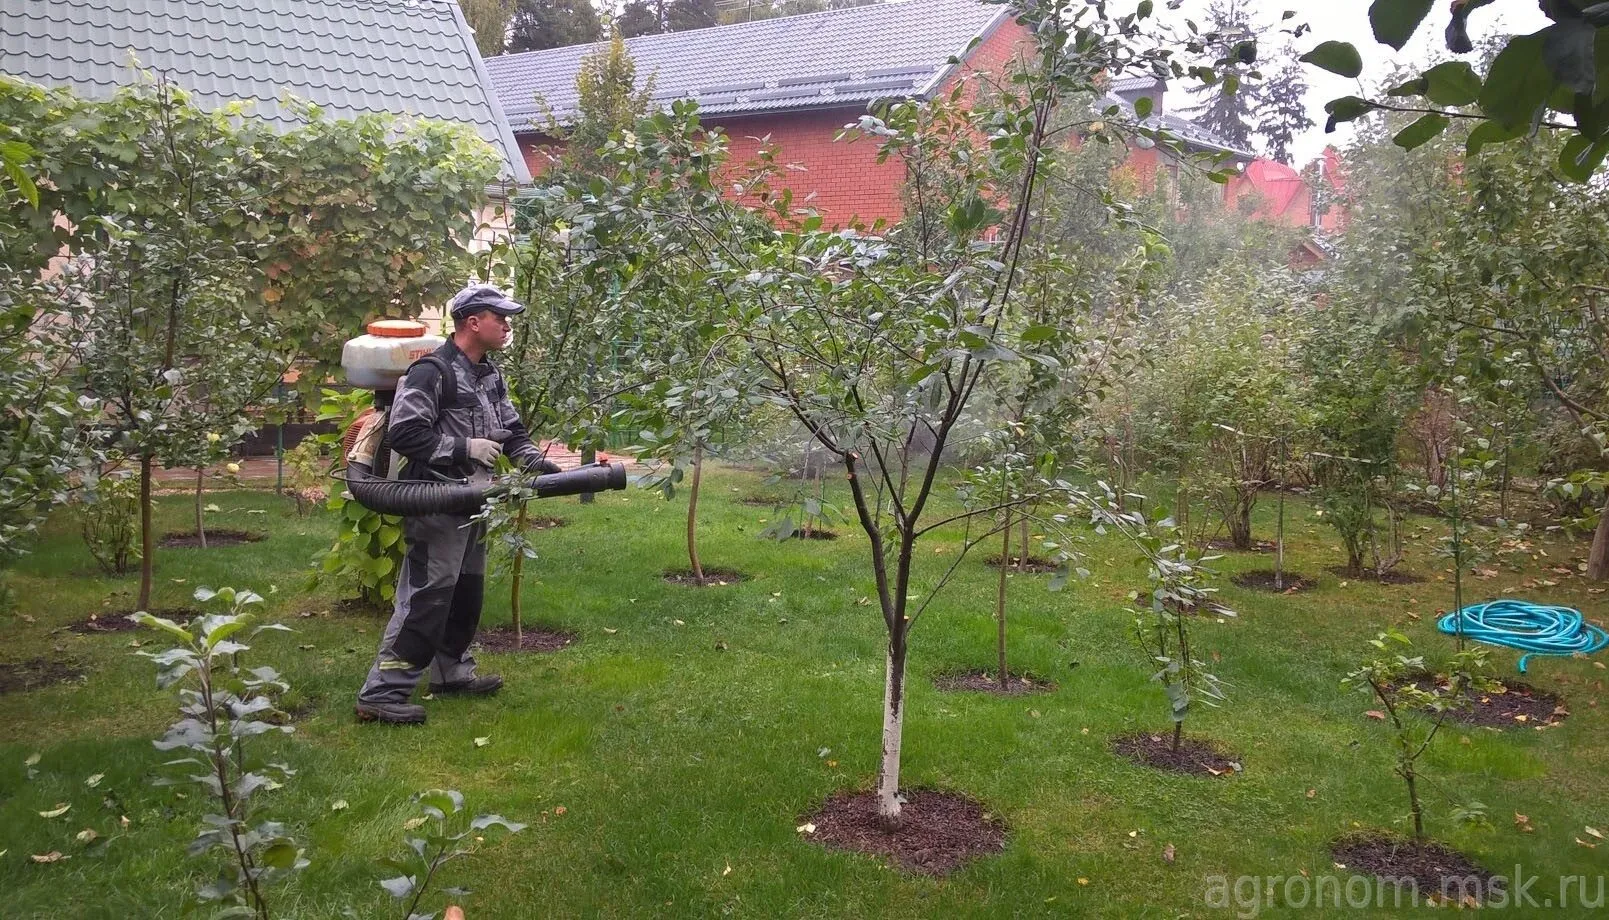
point(378, 361)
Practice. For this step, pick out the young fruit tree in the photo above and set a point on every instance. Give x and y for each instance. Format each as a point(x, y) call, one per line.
point(163, 330)
point(882, 344)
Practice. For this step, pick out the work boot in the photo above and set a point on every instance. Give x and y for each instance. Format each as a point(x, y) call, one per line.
point(394, 713)
point(476, 686)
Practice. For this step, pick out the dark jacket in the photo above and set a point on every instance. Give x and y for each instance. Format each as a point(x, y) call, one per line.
point(430, 434)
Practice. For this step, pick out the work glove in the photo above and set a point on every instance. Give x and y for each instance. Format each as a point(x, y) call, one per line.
point(484, 451)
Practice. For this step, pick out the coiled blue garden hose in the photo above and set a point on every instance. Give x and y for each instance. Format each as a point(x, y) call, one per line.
point(1536, 629)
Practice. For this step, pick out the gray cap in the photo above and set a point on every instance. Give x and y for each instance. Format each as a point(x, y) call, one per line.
point(478, 297)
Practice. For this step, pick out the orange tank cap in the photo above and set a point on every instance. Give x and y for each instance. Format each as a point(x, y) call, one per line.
point(398, 328)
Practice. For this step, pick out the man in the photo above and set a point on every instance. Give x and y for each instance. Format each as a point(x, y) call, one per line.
point(440, 586)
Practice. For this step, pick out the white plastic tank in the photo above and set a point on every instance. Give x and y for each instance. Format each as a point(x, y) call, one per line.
point(375, 361)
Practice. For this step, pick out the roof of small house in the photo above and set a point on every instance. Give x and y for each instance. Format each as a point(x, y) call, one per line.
point(815, 60)
point(350, 57)
point(1125, 90)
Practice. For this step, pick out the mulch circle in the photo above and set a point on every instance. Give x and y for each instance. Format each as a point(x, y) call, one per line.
point(1263, 580)
point(1516, 705)
point(984, 682)
point(1391, 577)
point(118, 621)
point(1431, 865)
point(1034, 565)
point(713, 577)
point(1257, 546)
point(938, 833)
point(214, 538)
point(545, 523)
point(532, 639)
point(814, 534)
point(22, 676)
point(1194, 757)
point(760, 501)
point(110, 623)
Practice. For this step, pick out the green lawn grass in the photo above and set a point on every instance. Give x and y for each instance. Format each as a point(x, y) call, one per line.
point(688, 731)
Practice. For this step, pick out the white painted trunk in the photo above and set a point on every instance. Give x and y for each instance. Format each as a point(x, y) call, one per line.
point(888, 805)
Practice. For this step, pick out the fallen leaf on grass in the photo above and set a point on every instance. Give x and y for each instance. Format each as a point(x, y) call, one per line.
point(483, 741)
point(86, 836)
point(1590, 846)
point(413, 824)
point(1375, 714)
point(610, 631)
point(805, 829)
point(58, 811)
point(1523, 823)
point(727, 871)
point(559, 810)
point(677, 623)
point(52, 856)
point(1594, 832)
point(1167, 853)
point(94, 780)
point(1312, 793)
point(1083, 881)
point(338, 805)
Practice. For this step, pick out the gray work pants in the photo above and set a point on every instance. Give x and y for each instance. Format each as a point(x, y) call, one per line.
point(439, 592)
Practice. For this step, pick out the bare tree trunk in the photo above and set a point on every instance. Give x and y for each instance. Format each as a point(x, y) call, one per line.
point(1279, 526)
point(888, 804)
point(1598, 558)
point(692, 515)
point(1004, 677)
point(201, 524)
point(1409, 775)
point(144, 600)
point(1178, 736)
point(516, 575)
point(1022, 545)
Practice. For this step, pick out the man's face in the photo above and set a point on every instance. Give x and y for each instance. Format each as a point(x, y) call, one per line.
point(490, 329)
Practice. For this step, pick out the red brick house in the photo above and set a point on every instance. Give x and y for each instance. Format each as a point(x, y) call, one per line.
point(799, 80)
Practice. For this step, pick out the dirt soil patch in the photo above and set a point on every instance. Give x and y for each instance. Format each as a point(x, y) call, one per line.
point(1194, 757)
point(713, 577)
point(1033, 566)
point(532, 639)
point(1257, 546)
point(1391, 577)
point(760, 501)
point(938, 833)
point(545, 523)
point(1263, 580)
point(118, 620)
point(22, 676)
point(815, 534)
point(1430, 865)
point(1516, 705)
point(214, 538)
point(984, 682)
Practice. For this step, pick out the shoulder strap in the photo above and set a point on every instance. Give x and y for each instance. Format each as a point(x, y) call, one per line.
point(449, 380)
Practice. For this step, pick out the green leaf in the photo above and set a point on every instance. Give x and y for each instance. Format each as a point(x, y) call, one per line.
point(281, 855)
point(1458, 30)
point(1582, 156)
point(1336, 57)
point(1568, 50)
point(1345, 109)
point(1395, 21)
point(1519, 82)
point(1421, 132)
point(399, 887)
point(1452, 83)
point(1490, 132)
point(1143, 106)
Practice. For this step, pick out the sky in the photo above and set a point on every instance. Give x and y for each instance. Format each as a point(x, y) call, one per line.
point(1348, 21)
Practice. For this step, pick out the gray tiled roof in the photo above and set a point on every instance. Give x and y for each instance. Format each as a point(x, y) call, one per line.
point(817, 60)
point(412, 57)
point(1125, 90)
